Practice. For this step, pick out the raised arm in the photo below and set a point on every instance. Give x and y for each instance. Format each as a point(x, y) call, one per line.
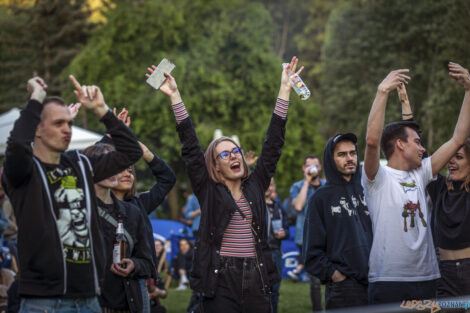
point(406, 112)
point(191, 150)
point(18, 162)
point(165, 180)
point(375, 123)
point(300, 199)
point(462, 130)
point(128, 150)
point(271, 151)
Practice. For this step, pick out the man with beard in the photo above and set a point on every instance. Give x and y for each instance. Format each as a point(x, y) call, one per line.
point(338, 233)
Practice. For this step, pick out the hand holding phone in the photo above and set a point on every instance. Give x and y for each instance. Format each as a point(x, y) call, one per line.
point(157, 78)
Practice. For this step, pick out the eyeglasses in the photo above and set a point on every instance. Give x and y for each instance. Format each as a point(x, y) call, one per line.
point(224, 155)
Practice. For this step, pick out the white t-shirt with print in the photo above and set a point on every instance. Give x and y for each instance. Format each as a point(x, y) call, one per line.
point(397, 255)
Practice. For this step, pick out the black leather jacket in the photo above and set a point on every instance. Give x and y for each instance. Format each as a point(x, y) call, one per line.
point(218, 206)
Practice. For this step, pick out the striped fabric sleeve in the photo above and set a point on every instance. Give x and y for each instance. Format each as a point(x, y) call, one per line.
point(180, 112)
point(281, 108)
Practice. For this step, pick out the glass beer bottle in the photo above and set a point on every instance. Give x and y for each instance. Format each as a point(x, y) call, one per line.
point(120, 245)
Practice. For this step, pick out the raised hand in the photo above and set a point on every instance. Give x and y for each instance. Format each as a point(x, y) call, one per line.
point(393, 80)
point(74, 108)
point(460, 74)
point(147, 154)
point(37, 88)
point(250, 158)
point(169, 86)
point(123, 116)
point(402, 95)
point(90, 97)
point(288, 71)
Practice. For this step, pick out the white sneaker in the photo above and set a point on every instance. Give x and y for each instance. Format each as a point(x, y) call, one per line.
point(184, 280)
point(181, 287)
point(293, 274)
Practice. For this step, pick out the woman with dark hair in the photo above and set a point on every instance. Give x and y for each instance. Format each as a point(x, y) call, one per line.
point(451, 201)
point(155, 287)
point(121, 291)
point(160, 251)
point(148, 201)
point(450, 198)
point(232, 266)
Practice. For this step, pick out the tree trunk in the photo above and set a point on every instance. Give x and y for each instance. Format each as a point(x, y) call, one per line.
point(429, 127)
point(285, 33)
point(173, 201)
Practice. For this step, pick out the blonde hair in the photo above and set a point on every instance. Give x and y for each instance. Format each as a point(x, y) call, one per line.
point(466, 183)
point(211, 158)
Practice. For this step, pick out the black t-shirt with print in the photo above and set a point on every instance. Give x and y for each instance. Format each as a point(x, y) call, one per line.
point(68, 199)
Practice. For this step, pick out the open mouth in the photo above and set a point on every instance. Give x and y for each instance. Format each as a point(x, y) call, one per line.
point(452, 170)
point(235, 166)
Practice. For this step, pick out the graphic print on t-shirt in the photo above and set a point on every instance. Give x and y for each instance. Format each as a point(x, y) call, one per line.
point(411, 208)
point(72, 219)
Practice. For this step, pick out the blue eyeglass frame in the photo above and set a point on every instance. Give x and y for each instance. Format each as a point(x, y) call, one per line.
point(225, 154)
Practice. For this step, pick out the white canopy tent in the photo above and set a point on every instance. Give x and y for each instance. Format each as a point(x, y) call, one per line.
point(81, 138)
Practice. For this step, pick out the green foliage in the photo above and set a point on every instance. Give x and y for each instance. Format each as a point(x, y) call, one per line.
point(225, 69)
point(14, 50)
point(39, 39)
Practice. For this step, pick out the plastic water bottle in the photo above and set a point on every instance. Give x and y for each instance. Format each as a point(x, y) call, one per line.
point(297, 83)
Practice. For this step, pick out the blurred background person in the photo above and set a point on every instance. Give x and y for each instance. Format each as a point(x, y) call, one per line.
point(278, 230)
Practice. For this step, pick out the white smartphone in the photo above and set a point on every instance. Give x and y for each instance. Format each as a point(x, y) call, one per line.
point(157, 78)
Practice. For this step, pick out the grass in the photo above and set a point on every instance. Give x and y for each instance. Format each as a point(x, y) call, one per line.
point(294, 297)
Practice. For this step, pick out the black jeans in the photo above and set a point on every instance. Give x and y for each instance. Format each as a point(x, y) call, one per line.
point(397, 291)
point(239, 289)
point(315, 293)
point(346, 293)
point(455, 278)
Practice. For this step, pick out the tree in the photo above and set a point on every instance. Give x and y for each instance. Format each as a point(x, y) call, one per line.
point(365, 41)
point(225, 69)
point(289, 18)
point(41, 38)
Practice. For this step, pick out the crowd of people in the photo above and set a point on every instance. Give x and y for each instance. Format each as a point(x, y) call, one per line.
point(367, 232)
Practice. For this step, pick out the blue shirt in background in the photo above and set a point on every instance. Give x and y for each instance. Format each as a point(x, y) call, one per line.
point(294, 192)
point(192, 205)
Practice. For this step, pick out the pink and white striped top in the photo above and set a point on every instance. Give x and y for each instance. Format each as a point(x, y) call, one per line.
point(238, 239)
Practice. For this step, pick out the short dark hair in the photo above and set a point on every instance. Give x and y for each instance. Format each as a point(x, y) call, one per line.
point(394, 131)
point(57, 100)
point(98, 149)
point(310, 156)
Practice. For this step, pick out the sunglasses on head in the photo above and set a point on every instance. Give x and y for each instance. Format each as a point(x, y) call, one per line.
point(224, 155)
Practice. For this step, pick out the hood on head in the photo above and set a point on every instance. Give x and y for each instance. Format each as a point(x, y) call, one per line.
point(333, 176)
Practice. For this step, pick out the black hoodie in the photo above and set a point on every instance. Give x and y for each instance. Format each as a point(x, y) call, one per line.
point(42, 261)
point(338, 231)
